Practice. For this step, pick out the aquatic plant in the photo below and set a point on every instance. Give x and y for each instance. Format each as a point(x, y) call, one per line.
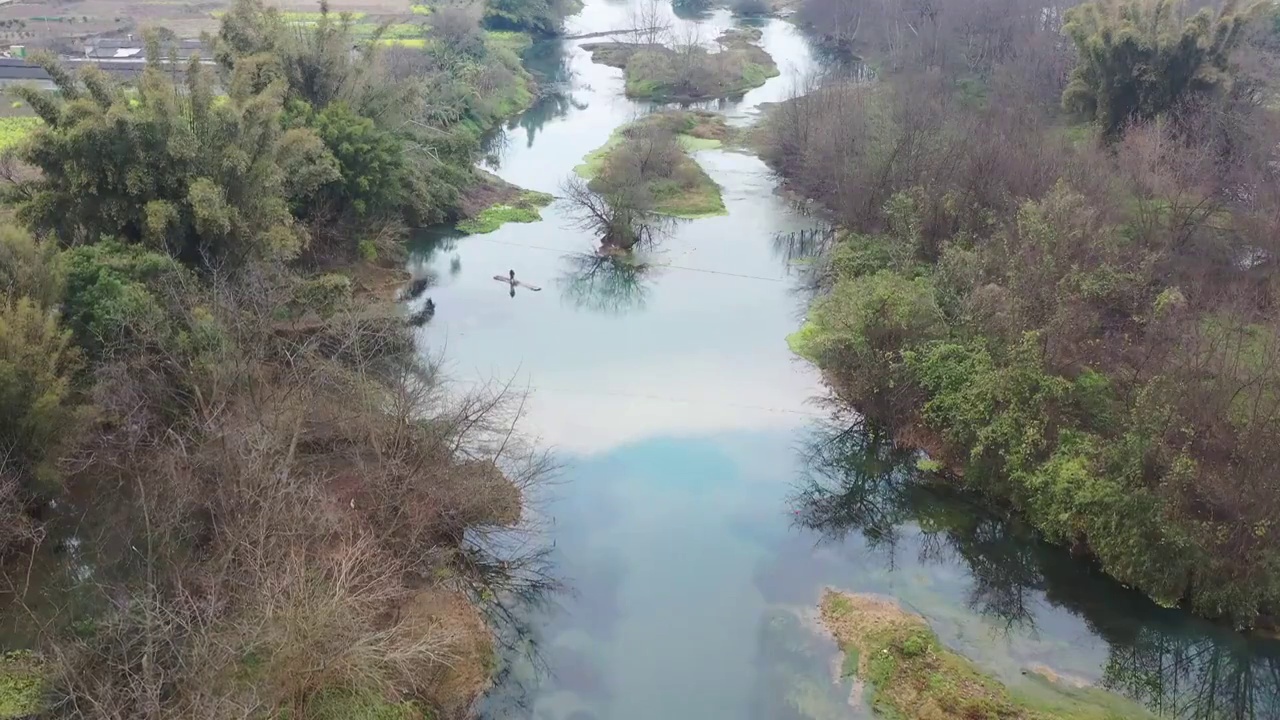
point(523, 210)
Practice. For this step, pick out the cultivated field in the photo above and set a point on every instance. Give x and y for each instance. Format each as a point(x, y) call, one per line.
point(66, 25)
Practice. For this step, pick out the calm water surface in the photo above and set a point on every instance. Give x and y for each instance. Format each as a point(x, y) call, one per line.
point(707, 499)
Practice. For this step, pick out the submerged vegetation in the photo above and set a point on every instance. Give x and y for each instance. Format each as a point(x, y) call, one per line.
point(230, 487)
point(683, 69)
point(1075, 321)
point(913, 677)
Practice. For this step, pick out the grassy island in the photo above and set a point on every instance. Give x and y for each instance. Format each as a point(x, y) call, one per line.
point(687, 71)
point(652, 154)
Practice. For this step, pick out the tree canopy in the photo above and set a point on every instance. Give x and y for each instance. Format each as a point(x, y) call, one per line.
point(1136, 60)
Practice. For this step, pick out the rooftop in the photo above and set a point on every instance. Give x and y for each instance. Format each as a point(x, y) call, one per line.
point(17, 69)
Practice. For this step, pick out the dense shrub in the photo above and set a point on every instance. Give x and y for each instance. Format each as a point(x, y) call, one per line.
point(37, 361)
point(277, 497)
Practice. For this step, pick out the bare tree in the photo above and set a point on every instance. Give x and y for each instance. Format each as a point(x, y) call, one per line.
point(621, 216)
point(650, 22)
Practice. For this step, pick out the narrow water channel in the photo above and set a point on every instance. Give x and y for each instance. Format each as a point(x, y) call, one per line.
point(706, 497)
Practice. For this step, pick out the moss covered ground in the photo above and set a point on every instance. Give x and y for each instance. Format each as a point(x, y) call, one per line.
point(523, 209)
point(22, 688)
point(911, 676)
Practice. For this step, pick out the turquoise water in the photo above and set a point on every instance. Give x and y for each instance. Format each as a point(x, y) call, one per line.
point(708, 495)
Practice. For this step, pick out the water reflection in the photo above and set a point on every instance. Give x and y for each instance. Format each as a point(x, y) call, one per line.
point(692, 9)
point(794, 673)
point(857, 481)
point(549, 63)
point(606, 282)
point(802, 246)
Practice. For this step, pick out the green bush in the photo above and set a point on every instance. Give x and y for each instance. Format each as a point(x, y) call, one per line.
point(110, 302)
point(858, 255)
point(369, 160)
point(29, 268)
point(37, 362)
point(880, 313)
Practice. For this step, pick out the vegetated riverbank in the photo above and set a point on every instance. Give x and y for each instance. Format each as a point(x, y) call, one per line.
point(492, 202)
point(686, 71)
point(646, 164)
point(1070, 318)
point(232, 485)
point(912, 676)
point(1019, 593)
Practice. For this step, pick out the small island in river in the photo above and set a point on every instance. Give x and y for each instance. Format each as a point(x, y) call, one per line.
point(650, 157)
point(687, 71)
point(912, 676)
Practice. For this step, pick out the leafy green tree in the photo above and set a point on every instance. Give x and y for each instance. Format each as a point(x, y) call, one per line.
point(540, 17)
point(206, 180)
point(320, 63)
point(110, 301)
point(403, 124)
point(36, 364)
point(369, 159)
point(1137, 61)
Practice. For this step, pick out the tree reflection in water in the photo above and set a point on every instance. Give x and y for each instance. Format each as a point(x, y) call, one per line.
point(605, 282)
point(613, 278)
point(857, 481)
point(549, 64)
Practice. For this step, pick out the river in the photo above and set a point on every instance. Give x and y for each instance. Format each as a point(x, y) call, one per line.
point(707, 495)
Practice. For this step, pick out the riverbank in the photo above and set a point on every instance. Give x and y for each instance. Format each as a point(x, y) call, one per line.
point(492, 202)
point(911, 676)
point(237, 484)
point(1046, 371)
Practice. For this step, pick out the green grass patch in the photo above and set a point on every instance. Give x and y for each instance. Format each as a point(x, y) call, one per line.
point(694, 144)
point(390, 31)
point(525, 209)
point(14, 130)
point(593, 162)
point(698, 199)
point(849, 666)
point(361, 705)
point(420, 43)
point(22, 686)
point(516, 42)
point(420, 9)
point(913, 677)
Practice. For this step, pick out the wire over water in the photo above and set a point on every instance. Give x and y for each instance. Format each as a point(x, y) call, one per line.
point(656, 264)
